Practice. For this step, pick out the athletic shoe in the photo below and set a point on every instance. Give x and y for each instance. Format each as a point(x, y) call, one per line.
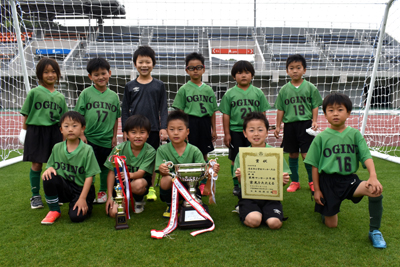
point(151, 196)
point(167, 212)
point(201, 188)
point(60, 203)
point(377, 239)
point(311, 185)
point(101, 197)
point(236, 210)
point(236, 191)
point(36, 202)
point(293, 187)
point(51, 217)
point(139, 206)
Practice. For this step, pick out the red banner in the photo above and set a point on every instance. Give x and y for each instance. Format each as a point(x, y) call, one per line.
point(232, 51)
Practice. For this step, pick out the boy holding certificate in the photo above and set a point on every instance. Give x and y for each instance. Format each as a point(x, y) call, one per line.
point(253, 211)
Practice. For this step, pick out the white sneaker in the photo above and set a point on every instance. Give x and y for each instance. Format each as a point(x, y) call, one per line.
point(101, 197)
point(139, 206)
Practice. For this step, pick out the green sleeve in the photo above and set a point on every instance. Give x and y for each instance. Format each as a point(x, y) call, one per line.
point(80, 104)
point(264, 104)
point(314, 153)
point(26, 108)
point(225, 105)
point(363, 149)
point(316, 98)
point(118, 104)
point(278, 101)
point(92, 167)
point(148, 163)
point(160, 157)
point(65, 108)
point(50, 161)
point(236, 165)
point(179, 101)
point(108, 164)
point(198, 156)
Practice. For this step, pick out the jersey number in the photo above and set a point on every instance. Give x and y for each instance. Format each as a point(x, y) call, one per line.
point(301, 110)
point(244, 110)
point(99, 115)
point(347, 164)
point(202, 108)
point(52, 116)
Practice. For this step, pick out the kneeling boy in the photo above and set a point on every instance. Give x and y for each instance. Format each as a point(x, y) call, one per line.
point(334, 155)
point(70, 171)
point(140, 157)
point(252, 211)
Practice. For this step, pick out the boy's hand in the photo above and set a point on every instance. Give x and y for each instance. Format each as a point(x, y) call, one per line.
point(227, 140)
point(317, 197)
point(109, 204)
point(216, 167)
point(82, 206)
point(164, 170)
point(238, 174)
point(276, 132)
point(374, 186)
point(47, 173)
point(286, 178)
point(214, 136)
point(163, 135)
point(114, 142)
point(314, 126)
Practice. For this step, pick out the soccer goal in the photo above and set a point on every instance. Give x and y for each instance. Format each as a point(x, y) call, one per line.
point(349, 47)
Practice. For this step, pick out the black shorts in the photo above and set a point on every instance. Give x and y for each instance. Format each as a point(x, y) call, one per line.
point(335, 188)
point(295, 137)
point(237, 140)
point(154, 139)
point(200, 133)
point(40, 141)
point(101, 154)
point(268, 208)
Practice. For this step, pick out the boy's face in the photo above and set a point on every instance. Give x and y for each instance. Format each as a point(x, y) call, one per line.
point(177, 131)
point(195, 69)
point(144, 65)
point(243, 78)
point(296, 70)
point(71, 130)
point(100, 78)
point(49, 76)
point(137, 137)
point(256, 132)
point(336, 115)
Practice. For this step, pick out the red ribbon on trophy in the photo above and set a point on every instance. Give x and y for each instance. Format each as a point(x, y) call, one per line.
point(120, 161)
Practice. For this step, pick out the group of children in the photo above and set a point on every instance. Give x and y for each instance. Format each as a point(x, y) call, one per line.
point(90, 138)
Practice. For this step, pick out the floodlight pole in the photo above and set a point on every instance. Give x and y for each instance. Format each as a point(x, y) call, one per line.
point(20, 46)
point(375, 69)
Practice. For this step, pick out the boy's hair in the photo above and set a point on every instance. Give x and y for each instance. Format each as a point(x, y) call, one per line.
point(144, 51)
point(193, 56)
point(42, 64)
point(96, 64)
point(296, 58)
point(178, 115)
point(242, 65)
point(75, 116)
point(255, 116)
point(339, 99)
point(137, 121)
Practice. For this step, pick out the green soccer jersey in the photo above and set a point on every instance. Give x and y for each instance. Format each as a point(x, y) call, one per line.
point(100, 110)
point(75, 166)
point(43, 108)
point(237, 164)
point(298, 103)
point(238, 102)
point(167, 152)
point(144, 161)
point(196, 100)
point(335, 152)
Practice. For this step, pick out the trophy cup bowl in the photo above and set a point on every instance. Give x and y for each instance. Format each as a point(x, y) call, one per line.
point(191, 173)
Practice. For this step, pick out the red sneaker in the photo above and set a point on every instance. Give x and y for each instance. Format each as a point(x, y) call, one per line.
point(51, 217)
point(293, 187)
point(311, 184)
point(201, 187)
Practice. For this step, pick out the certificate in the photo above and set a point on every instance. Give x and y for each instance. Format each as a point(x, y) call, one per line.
point(261, 173)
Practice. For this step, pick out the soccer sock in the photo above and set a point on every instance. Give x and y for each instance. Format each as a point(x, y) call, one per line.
point(309, 171)
point(375, 212)
point(103, 179)
point(52, 201)
point(34, 177)
point(138, 198)
point(294, 168)
point(165, 195)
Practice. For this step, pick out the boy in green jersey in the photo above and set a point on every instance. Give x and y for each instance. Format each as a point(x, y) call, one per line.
point(297, 106)
point(101, 108)
point(235, 104)
point(42, 110)
point(140, 158)
point(334, 155)
point(253, 212)
point(70, 170)
point(198, 101)
point(178, 151)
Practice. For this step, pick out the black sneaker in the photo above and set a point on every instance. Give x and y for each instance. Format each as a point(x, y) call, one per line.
point(36, 202)
point(236, 190)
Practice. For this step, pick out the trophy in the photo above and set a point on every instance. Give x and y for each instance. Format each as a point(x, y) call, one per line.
point(120, 217)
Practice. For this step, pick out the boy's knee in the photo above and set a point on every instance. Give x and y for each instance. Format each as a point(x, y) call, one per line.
point(331, 223)
point(166, 182)
point(253, 220)
point(76, 218)
point(274, 223)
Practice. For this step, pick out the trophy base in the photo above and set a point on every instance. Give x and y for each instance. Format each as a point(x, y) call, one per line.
point(189, 218)
point(120, 222)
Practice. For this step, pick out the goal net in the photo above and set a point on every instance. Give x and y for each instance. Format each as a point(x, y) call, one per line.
point(338, 39)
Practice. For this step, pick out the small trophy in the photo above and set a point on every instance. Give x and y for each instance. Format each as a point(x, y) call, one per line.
point(120, 218)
